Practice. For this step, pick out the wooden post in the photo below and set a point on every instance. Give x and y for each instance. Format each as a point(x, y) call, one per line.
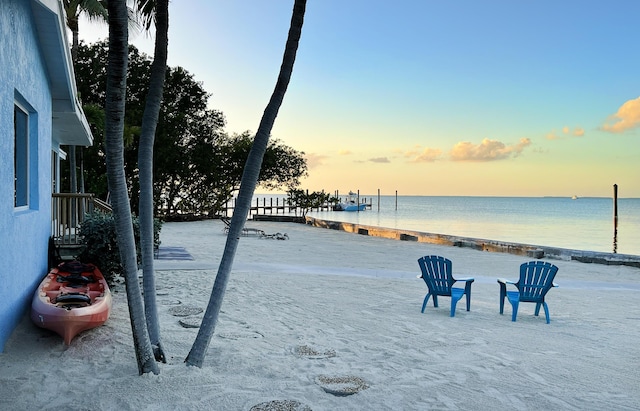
point(615, 206)
point(378, 200)
point(615, 218)
point(396, 200)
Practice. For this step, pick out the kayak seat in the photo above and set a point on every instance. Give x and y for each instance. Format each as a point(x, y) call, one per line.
point(72, 298)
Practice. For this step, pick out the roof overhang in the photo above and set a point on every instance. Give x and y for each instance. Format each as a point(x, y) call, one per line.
point(69, 124)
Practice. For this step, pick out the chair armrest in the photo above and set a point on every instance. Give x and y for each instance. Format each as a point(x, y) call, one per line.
point(468, 279)
point(505, 282)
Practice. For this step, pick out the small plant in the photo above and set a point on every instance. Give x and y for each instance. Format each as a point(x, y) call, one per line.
point(98, 234)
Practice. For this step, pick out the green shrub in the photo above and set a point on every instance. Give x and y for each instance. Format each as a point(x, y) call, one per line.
point(98, 234)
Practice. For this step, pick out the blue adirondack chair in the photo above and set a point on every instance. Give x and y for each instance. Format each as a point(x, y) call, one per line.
point(536, 279)
point(436, 273)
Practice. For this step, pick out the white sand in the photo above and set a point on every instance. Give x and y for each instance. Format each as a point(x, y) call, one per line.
point(327, 304)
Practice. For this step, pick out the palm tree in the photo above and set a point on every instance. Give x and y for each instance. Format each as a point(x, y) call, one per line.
point(145, 163)
point(114, 147)
point(95, 9)
point(247, 187)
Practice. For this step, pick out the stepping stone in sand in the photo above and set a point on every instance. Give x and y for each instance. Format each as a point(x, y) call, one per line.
point(280, 405)
point(240, 334)
point(341, 386)
point(169, 302)
point(184, 310)
point(190, 322)
point(313, 353)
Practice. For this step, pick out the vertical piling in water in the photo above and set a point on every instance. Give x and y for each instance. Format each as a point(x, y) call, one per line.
point(615, 218)
point(396, 200)
point(378, 200)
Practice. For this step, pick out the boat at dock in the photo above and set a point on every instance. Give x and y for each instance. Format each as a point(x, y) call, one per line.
point(72, 298)
point(351, 204)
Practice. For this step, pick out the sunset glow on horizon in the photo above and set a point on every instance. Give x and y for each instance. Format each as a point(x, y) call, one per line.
point(493, 98)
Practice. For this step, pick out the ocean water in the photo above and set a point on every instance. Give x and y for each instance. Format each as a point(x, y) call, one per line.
point(581, 224)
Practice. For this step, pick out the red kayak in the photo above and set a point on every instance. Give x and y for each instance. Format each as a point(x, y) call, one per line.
point(72, 298)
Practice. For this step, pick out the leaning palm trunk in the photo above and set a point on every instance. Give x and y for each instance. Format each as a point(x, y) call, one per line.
point(145, 166)
point(247, 187)
point(114, 128)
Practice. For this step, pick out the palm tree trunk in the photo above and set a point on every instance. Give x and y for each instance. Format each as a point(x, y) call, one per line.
point(114, 145)
point(247, 186)
point(145, 166)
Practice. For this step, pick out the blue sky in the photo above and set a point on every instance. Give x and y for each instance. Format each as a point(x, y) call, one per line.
point(430, 97)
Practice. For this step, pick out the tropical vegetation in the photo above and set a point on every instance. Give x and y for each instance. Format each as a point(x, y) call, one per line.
point(197, 165)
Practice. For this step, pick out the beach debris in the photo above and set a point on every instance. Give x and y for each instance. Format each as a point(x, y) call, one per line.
point(281, 405)
point(190, 322)
point(276, 236)
point(313, 353)
point(341, 386)
point(184, 310)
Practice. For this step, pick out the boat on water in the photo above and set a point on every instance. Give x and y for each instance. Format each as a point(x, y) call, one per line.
point(351, 204)
point(72, 298)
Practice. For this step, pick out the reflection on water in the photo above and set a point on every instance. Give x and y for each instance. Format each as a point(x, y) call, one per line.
point(583, 224)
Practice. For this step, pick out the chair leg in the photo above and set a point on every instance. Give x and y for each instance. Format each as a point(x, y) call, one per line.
point(468, 293)
point(426, 299)
point(435, 300)
point(503, 294)
point(546, 312)
point(537, 309)
point(454, 302)
point(514, 304)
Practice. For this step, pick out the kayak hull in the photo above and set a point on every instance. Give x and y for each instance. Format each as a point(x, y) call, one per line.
point(72, 298)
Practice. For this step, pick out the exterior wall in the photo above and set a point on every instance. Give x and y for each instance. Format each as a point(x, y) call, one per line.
point(23, 234)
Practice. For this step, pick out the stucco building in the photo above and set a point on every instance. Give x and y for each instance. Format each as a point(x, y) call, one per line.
point(39, 113)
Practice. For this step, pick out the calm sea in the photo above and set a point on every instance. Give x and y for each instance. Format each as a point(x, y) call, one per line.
point(581, 224)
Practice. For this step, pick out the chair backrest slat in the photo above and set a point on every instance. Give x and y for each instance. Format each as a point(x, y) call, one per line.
point(436, 272)
point(536, 279)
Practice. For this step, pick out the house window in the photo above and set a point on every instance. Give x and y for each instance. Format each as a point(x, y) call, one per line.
point(21, 157)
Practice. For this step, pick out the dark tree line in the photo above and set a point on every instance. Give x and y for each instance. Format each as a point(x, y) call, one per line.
point(197, 165)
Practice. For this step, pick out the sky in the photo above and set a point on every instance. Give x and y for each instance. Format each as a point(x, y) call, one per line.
point(429, 97)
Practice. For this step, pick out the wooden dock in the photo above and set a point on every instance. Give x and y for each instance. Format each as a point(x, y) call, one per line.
point(274, 206)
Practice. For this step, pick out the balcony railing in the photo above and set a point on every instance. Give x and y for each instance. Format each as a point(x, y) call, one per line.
point(67, 213)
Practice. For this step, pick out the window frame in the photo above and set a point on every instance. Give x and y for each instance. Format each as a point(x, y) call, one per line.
point(21, 158)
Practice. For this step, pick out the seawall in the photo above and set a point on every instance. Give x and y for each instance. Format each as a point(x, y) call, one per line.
point(529, 250)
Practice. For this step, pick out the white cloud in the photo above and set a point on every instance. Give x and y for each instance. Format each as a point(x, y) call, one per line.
point(427, 155)
point(487, 150)
point(627, 117)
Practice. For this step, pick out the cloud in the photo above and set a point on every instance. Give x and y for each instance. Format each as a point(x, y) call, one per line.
point(577, 132)
point(627, 117)
point(345, 152)
point(552, 136)
point(315, 160)
point(488, 150)
point(427, 155)
point(379, 160)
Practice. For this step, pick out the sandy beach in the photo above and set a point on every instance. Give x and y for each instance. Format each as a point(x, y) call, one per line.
point(325, 309)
